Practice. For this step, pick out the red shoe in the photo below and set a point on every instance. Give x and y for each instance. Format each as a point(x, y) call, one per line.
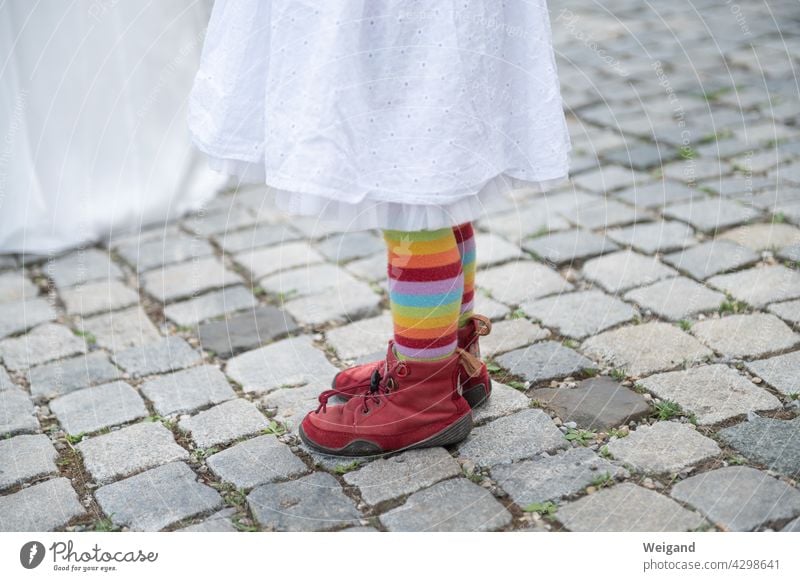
point(409, 404)
point(476, 385)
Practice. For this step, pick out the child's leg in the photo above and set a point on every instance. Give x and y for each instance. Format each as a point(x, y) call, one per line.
point(465, 237)
point(426, 285)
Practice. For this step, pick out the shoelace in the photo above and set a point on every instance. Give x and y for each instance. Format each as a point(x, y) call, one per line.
point(379, 386)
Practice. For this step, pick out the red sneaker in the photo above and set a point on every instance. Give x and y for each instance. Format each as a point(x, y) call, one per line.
point(476, 385)
point(408, 404)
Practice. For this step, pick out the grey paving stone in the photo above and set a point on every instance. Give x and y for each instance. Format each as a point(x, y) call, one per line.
point(791, 253)
point(168, 354)
point(162, 250)
point(449, 506)
point(15, 286)
point(770, 442)
point(641, 156)
point(7, 261)
point(42, 507)
point(792, 527)
point(224, 423)
point(350, 245)
point(521, 435)
point(627, 508)
point(219, 522)
point(657, 194)
point(751, 335)
point(257, 237)
point(19, 316)
point(45, 343)
point(189, 279)
point(210, 305)
point(504, 400)
point(524, 221)
point(131, 449)
point(24, 458)
point(95, 408)
point(80, 267)
point(16, 413)
point(518, 282)
point(389, 478)
point(569, 246)
point(607, 179)
point(188, 390)
point(788, 311)
point(596, 403)
point(293, 403)
point(764, 236)
point(645, 348)
point(157, 498)
point(256, 461)
point(360, 338)
point(288, 362)
point(312, 503)
point(349, 302)
point(781, 372)
point(489, 307)
point(760, 286)
point(625, 269)
point(714, 393)
point(544, 361)
point(509, 335)
point(739, 498)
point(302, 282)
point(652, 237)
point(604, 213)
point(711, 214)
point(246, 330)
point(265, 261)
point(229, 220)
point(61, 377)
point(5, 380)
point(710, 258)
point(495, 250)
point(372, 268)
point(98, 297)
point(554, 477)
point(663, 448)
point(676, 298)
point(120, 330)
point(579, 314)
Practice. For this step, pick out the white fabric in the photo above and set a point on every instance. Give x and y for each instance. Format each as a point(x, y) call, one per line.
point(93, 136)
point(393, 114)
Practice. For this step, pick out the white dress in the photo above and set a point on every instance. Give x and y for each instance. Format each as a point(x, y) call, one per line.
point(93, 137)
point(396, 114)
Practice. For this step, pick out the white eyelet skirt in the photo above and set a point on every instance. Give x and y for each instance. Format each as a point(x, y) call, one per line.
point(396, 114)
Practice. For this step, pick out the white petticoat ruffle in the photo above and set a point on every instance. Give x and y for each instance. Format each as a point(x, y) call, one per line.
point(370, 213)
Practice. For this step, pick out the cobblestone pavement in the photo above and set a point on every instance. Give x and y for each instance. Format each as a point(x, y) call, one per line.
point(646, 345)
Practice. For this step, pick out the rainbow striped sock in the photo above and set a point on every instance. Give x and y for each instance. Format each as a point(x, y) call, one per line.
point(465, 237)
point(425, 288)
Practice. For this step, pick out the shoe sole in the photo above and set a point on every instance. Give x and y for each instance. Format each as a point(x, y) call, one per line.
point(452, 434)
point(476, 396)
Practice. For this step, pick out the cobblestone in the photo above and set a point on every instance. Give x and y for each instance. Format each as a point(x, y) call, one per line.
point(224, 423)
point(627, 508)
point(16, 413)
point(676, 298)
point(746, 335)
point(710, 258)
point(622, 270)
point(543, 361)
point(781, 372)
point(713, 393)
point(98, 297)
point(580, 314)
point(19, 316)
point(95, 408)
point(188, 390)
point(42, 345)
point(210, 305)
point(128, 450)
point(120, 330)
point(754, 499)
point(257, 461)
point(61, 377)
point(43, 507)
point(157, 498)
point(246, 331)
point(453, 505)
point(24, 458)
point(168, 354)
